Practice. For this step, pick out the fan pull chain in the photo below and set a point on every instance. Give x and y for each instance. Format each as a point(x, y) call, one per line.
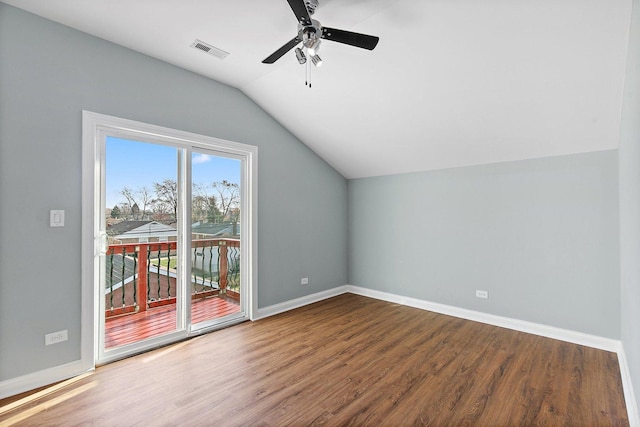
point(309, 68)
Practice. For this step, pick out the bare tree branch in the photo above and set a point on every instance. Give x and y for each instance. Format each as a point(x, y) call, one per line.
point(167, 195)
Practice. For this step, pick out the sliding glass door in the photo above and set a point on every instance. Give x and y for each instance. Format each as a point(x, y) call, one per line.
point(174, 259)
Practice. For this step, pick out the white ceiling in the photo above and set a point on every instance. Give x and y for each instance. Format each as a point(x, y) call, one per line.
point(451, 83)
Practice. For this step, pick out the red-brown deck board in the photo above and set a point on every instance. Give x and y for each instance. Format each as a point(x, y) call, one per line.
point(130, 328)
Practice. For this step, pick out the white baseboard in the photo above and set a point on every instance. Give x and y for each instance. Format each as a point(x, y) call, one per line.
point(574, 337)
point(298, 302)
point(491, 319)
point(629, 395)
point(42, 378)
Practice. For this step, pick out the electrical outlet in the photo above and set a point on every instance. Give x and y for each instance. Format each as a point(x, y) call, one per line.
point(304, 281)
point(482, 294)
point(56, 337)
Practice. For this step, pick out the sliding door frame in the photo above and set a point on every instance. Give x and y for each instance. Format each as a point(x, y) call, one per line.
point(95, 127)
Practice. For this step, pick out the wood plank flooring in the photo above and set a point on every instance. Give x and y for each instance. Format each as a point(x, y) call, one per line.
point(156, 321)
point(346, 361)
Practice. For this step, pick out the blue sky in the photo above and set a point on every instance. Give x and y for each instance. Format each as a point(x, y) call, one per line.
point(136, 164)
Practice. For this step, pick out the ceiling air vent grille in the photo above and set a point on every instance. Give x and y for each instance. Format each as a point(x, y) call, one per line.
point(211, 50)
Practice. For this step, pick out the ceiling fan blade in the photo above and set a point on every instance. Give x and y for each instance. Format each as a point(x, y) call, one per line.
point(347, 37)
point(284, 49)
point(301, 12)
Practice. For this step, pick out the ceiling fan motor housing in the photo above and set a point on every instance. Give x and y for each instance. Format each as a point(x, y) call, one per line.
point(309, 34)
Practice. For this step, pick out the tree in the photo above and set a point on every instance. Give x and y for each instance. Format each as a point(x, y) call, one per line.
point(229, 200)
point(135, 199)
point(125, 210)
point(166, 200)
point(130, 197)
point(115, 212)
point(219, 208)
point(144, 195)
point(213, 213)
point(204, 207)
point(198, 209)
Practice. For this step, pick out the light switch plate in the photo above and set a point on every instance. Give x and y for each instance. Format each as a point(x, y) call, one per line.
point(56, 218)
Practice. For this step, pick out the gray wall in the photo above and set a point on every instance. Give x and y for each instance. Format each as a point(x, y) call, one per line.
point(50, 73)
point(541, 236)
point(630, 205)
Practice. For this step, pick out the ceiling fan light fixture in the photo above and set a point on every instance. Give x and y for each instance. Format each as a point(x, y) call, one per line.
point(317, 61)
point(313, 47)
point(300, 56)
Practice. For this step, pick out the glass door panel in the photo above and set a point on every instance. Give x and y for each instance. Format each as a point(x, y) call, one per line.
point(216, 238)
point(140, 279)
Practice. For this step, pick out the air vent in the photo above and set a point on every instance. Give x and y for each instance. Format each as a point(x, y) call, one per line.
point(211, 50)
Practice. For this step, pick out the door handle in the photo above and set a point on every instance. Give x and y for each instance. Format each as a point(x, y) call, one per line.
point(102, 243)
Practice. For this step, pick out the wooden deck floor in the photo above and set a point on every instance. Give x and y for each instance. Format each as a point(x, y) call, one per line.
point(160, 320)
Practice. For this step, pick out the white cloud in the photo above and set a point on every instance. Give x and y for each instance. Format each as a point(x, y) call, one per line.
point(200, 158)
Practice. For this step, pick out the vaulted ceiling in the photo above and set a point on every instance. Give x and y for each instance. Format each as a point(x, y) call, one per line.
point(451, 82)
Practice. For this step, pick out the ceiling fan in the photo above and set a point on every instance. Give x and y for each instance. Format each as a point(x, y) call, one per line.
point(311, 31)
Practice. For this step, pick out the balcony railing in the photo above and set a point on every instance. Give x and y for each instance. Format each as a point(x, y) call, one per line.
point(139, 276)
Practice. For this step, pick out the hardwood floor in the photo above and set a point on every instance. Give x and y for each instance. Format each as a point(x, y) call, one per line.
point(349, 360)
